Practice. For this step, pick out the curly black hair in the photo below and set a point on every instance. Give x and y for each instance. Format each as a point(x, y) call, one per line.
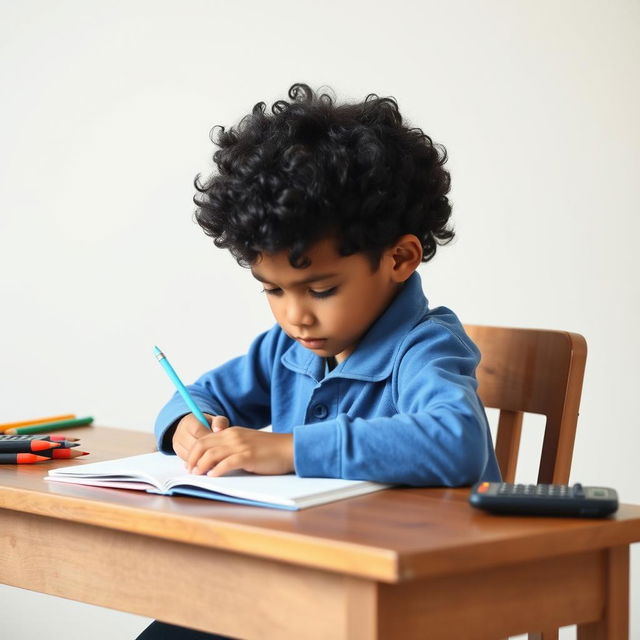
point(311, 168)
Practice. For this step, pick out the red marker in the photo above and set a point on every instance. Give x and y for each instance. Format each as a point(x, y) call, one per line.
point(21, 458)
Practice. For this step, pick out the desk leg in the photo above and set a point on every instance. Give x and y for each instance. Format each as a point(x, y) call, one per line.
point(614, 624)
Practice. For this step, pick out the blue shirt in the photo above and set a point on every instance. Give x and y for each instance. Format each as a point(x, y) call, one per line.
point(402, 408)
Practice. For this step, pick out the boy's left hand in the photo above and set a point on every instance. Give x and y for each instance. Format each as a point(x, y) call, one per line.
point(240, 448)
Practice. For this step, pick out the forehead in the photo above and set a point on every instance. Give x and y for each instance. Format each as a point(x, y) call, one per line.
point(325, 263)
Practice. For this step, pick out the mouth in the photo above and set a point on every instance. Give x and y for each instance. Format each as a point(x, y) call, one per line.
point(312, 343)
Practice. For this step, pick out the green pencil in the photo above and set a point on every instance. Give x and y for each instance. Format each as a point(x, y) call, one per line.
point(51, 426)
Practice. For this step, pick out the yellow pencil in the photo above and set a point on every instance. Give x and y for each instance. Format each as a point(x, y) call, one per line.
point(27, 423)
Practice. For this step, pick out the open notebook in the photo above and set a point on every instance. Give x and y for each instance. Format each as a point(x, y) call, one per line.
point(160, 473)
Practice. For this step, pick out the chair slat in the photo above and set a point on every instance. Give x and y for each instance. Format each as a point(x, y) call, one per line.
point(508, 443)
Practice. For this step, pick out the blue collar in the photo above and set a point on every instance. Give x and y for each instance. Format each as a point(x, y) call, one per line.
point(373, 358)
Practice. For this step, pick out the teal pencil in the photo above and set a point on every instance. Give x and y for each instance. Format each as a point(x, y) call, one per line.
point(182, 390)
point(51, 426)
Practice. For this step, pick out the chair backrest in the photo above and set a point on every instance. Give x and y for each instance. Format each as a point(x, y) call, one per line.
point(532, 371)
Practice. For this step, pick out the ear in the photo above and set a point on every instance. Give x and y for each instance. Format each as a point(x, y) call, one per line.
point(405, 255)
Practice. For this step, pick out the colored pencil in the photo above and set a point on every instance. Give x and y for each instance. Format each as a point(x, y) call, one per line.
point(21, 458)
point(28, 423)
point(58, 454)
point(68, 445)
point(65, 444)
point(52, 426)
point(182, 390)
point(71, 442)
point(8, 446)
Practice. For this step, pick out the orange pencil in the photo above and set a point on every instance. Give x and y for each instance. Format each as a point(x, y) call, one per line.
point(28, 423)
point(57, 454)
point(21, 458)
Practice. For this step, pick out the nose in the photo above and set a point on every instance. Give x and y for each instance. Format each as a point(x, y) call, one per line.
point(298, 314)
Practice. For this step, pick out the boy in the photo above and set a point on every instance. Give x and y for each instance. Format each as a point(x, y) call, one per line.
point(333, 207)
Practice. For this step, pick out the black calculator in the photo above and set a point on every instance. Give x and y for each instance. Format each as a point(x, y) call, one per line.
point(544, 499)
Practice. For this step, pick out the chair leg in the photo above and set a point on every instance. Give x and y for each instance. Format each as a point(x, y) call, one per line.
point(547, 634)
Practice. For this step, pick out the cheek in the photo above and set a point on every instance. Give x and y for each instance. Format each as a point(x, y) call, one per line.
point(362, 309)
point(276, 309)
point(343, 316)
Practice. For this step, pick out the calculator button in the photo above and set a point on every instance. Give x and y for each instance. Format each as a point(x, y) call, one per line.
point(483, 488)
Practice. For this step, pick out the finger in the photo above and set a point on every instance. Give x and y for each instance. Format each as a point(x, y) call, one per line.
point(197, 450)
point(195, 428)
point(230, 463)
point(209, 459)
point(184, 440)
point(188, 430)
point(195, 453)
point(218, 423)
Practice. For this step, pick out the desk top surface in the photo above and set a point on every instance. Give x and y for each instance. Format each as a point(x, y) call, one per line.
point(393, 535)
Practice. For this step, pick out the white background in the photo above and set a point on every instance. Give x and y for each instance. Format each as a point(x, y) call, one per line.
point(105, 110)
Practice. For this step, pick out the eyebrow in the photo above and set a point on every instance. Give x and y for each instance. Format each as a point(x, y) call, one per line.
point(320, 276)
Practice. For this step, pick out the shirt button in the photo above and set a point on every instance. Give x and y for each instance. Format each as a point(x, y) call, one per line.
point(320, 411)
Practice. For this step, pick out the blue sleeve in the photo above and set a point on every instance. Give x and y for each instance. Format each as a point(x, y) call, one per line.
point(439, 435)
point(239, 389)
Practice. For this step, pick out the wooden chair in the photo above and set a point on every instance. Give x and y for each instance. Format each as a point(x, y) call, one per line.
point(532, 371)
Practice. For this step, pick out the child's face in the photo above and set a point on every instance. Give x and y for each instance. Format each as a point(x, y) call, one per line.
point(329, 305)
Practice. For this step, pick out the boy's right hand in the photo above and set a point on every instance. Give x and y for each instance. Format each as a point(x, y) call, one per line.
point(189, 429)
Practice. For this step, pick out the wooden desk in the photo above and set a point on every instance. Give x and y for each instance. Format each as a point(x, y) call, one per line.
point(402, 563)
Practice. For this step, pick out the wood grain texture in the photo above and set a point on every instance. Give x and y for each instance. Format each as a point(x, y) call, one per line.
point(390, 536)
point(212, 590)
point(179, 583)
point(508, 443)
point(497, 602)
point(532, 371)
point(550, 634)
point(399, 563)
point(614, 621)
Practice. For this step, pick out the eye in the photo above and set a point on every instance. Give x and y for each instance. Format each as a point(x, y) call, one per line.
point(272, 292)
point(323, 294)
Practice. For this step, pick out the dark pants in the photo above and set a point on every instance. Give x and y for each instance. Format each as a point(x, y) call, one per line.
point(163, 631)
